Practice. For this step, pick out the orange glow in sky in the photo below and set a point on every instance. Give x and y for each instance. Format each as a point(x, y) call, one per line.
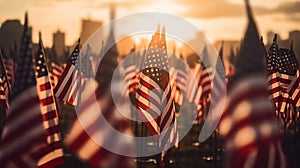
point(219, 19)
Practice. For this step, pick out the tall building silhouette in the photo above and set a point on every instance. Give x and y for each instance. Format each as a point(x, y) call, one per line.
point(11, 34)
point(59, 43)
point(109, 62)
point(88, 27)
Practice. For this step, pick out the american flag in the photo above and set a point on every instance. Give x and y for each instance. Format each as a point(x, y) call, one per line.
point(194, 89)
point(55, 69)
point(86, 67)
point(273, 75)
point(67, 88)
point(250, 128)
point(10, 68)
point(23, 133)
point(294, 90)
point(51, 153)
point(94, 126)
point(215, 105)
point(4, 90)
point(55, 73)
point(282, 66)
point(218, 82)
point(154, 103)
point(177, 95)
point(86, 63)
point(93, 136)
point(207, 73)
point(287, 68)
point(178, 74)
point(131, 73)
point(181, 77)
point(249, 125)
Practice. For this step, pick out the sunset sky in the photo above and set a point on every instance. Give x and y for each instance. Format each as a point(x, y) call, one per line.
point(220, 19)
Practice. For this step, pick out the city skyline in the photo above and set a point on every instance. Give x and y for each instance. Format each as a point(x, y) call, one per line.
point(218, 19)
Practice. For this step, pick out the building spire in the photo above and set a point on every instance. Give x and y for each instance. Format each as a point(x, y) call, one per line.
point(112, 15)
point(26, 20)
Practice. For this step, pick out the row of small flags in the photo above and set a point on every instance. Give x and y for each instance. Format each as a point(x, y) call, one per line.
point(283, 80)
point(31, 135)
point(156, 87)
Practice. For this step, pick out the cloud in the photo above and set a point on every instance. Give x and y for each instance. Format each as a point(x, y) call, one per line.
point(222, 8)
point(294, 18)
point(288, 8)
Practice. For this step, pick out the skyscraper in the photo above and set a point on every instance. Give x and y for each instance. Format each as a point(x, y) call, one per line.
point(59, 42)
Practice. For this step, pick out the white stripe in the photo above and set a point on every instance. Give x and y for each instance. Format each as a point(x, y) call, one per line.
point(150, 119)
point(148, 92)
point(72, 88)
point(148, 104)
point(14, 145)
point(149, 80)
point(64, 82)
point(56, 137)
point(50, 123)
point(50, 156)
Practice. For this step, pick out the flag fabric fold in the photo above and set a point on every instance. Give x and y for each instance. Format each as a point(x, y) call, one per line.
point(23, 134)
point(154, 103)
point(69, 81)
point(52, 152)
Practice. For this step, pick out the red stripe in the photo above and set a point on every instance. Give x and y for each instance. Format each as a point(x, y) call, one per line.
point(65, 89)
point(75, 92)
point(35, 121)
point(148, 124)
point(26, 103)
point(46, 101)
point(24, 149)
point(45, 86)
point(62, 78)
point(53, 130)
point(50, 115)
point(285, 81)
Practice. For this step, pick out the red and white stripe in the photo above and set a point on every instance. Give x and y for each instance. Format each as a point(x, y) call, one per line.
point(23, 131)
point(55, 74)
point(206, 78)
point(177, 95)
point(294, 89)
point(93, 126)
point(194, 89)
point(168, 123)
point(250, 128)
point(131, 79)
point(53, 151)
point(181, 80)
point(274, 89)
point(10, 68)
point(4, 93)
point(67, 88)
point(285, 82)
point(148, 102)
point(157, 110)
